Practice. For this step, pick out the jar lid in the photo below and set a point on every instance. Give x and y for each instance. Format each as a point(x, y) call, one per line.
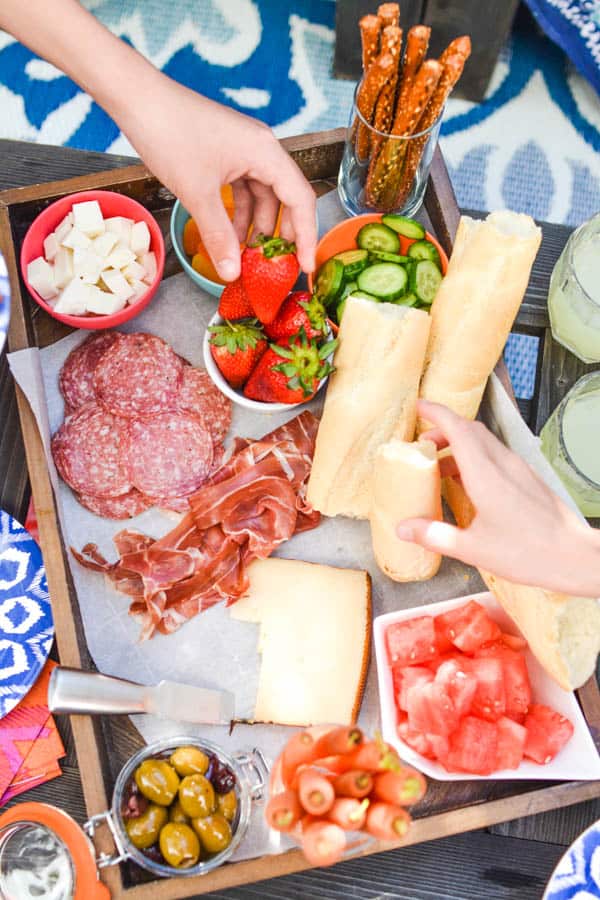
point(36, 833)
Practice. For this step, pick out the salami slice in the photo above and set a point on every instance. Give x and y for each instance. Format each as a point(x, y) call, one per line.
point(89, 452)
point(174, 504)
point(169, 455)
point(140, 375)
point(199, 393)
point(76, 376)
point(125, 506)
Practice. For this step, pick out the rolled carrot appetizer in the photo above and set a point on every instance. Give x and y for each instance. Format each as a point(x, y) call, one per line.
point(315, 792)
point(349, 813)
point(353, 784)
point(387, 822)
point(283, 811)
point(298, 751)
point(400, 788)
point(323, 843)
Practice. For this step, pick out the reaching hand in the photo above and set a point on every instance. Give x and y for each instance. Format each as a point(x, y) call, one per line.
point(522, 530)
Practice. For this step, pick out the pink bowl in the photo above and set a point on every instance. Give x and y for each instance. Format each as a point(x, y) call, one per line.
point(111, 204)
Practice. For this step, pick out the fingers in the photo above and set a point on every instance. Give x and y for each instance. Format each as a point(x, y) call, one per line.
point(243, 201)
point(217, 232)
point(439, 537)
point(286, 228)
point(266, 208)
point(437, 436)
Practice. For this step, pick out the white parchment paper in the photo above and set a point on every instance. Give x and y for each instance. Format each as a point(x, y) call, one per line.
point(213, 650)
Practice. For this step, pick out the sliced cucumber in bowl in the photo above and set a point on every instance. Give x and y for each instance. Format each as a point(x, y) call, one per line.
point(387, 281)
point(354, 261)
point(424, 281)
point(408, 228)
point(375, 236)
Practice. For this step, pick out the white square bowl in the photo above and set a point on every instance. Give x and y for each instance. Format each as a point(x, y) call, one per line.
point(578, 760)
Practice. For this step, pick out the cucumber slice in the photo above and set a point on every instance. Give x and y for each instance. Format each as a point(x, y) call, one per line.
point(340, 311)
point(363, 295)
point(330, 280)
point(425, 250)
point(349, 288)
point(408, 299)
point(382, 256)
point(354, 261)
point(406, 227)
point(378, 237)
point(424, 281)
point(385, 280)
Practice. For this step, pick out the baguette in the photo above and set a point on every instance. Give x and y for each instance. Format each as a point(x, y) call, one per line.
point(406, 483)
point(475, 307)
point(563, 632)
point(371, 395)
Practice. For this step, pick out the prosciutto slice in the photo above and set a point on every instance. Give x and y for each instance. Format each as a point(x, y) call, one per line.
point(252, 503)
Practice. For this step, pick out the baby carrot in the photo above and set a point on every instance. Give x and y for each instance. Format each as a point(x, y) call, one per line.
point(323, 843)
point(401, 788)
point(349, 813)
point(339, 740)
point(353, 784)
point(283, 811)
point(372, 756)
point(387, 822)
point(298, 751)
point(315, 792)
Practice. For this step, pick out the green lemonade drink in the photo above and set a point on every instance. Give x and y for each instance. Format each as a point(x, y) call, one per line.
point(570, 440)
point(574, 295)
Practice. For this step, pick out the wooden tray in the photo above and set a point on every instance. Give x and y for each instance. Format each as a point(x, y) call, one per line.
point(104, 745)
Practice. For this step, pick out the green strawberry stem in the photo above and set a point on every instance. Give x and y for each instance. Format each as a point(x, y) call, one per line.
point(273, 246)
point(236, 335)
point(304, 362)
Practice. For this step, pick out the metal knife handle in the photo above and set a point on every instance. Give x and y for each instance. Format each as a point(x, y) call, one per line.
point(74, 691)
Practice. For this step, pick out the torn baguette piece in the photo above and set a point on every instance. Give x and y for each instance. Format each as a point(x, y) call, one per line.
point(370, 397)
point(406, 484)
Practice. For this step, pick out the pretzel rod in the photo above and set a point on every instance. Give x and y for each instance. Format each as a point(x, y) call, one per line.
point(453, 67)
point(460, 45)
point(391, 42)
point(376, 76)
point(389, 14)
point(384, 172)
point(370, 28)
point(417, 42)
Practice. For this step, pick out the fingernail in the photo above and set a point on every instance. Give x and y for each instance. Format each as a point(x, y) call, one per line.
point(227, 269)
point(405, 532)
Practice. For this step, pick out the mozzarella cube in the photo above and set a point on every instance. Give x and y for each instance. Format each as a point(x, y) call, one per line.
point(62, 230)
point(63, 267)
point(51, 246)
point(87, 265)
point(103, 303)
point(73, 299)
point(41, 278)
point(117, 284)
point(139, 288)
point(76, 238)
point(148, 261)
point(140, 238)
point(87, 217)
point(105, 243)
point(134, 272)
point(120, 226)
point(120, 257)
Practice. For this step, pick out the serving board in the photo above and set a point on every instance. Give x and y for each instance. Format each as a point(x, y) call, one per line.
point(104, 745)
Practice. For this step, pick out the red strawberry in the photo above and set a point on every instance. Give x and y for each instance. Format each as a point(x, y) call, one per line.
point(269, 272)
point(300, 310)
point(233, 303)
point(236, 348)
point(290, 372)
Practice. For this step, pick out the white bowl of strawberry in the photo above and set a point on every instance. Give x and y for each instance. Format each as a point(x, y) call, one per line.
point(268, 348)
point(462, 697)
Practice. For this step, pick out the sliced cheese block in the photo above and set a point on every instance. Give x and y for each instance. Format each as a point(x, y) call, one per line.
point(315, 627)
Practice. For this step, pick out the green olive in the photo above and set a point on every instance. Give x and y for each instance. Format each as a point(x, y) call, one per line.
point(214, 832)
point(179, 845)
point(144, 831)
point(176, 814)
point(189, 761)
point(227, 805)
point(157, 780)
point(197, 796)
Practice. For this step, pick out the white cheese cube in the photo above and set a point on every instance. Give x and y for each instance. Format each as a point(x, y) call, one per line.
point(62, 230)
point(120, 257)
point(41, 278)
point(139, 288)
point(63, 267)
point(103, 303)
point(87, 265)
point(87, 217)
point(120, 226)
point(51, 246)
point(105, 243)
point(148, 261)
point(134, 272)
point(76, 238)
point(140, 238)
point(117, 283)
point(73, 299)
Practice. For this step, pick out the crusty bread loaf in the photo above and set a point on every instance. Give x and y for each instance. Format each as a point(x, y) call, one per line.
point(563, 632)
point(371, 396)
point(475, 308)
point(406, 484)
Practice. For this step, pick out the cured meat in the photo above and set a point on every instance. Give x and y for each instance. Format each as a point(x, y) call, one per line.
point(170, 454)
point(252, 503)
point(77, 374)
point(140, 375)
point(200, 394)
point(125, 506)
point(88, 452)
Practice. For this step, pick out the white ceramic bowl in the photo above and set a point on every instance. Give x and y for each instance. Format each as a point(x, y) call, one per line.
point(237, 396)
point(577, 760)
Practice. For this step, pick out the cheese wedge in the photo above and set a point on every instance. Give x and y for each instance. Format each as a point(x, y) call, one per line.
point(315, 627)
